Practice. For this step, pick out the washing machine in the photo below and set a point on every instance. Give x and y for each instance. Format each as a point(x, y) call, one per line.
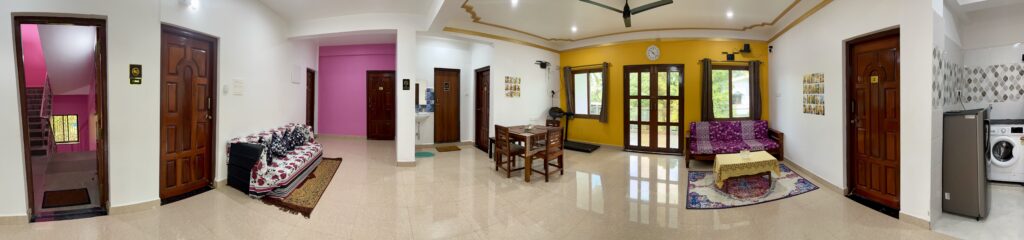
point(1005, 163)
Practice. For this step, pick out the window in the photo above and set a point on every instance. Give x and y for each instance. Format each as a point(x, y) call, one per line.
point(65, 128)
point(730, 92)
point(588, 92)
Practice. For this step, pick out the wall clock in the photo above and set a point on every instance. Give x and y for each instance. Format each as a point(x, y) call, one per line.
point(653, 53)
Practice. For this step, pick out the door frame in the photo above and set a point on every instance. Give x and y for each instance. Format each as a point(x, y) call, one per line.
point(102, 150)
point(848, 99)
point(477, 101)
point(394, 92)
point(311, 98)
point(653, 95)
point(458, 101)
point(213, 93)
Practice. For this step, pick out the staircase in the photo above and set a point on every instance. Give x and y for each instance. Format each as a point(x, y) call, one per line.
point(40, 103)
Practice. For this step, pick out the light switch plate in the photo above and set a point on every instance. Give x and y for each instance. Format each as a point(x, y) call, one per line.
point(946, 196)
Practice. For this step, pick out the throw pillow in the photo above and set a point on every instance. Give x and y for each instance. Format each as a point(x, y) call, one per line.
point(277, 146)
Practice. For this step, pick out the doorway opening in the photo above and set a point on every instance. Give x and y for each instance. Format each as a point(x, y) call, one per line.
point(311, 98)
point(873, 100)
point(62, 89)
point(482, 108)
point(188, 106)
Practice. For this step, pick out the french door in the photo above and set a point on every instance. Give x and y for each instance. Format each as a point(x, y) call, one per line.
point(653, 100)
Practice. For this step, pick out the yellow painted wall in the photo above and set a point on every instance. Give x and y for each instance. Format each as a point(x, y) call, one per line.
point(686, 52)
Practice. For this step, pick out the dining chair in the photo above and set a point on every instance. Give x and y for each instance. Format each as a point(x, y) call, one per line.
point(505, 151)
point(553, 150)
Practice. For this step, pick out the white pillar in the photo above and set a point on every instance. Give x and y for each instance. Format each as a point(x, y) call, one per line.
point(405, 112)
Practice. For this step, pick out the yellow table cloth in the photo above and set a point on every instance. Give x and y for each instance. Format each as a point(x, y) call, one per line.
point(733, 165)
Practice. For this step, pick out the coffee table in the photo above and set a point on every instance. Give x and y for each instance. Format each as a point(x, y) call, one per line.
point(735, 165)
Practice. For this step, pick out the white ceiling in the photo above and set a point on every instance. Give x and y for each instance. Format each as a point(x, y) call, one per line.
point(70, 59)
point(357, 38)
point(300, 10)
point(554, 19)
point(967, 10)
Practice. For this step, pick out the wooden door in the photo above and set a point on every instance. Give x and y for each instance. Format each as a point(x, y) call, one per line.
point(654, 108)
point(380, 105)
point(310, 97)
point(874, 124)
point(483, 107)
point(188, 70)
point(446, 106)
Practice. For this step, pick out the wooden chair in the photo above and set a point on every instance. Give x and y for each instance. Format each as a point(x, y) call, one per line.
point(553, 151)
point(504, 147)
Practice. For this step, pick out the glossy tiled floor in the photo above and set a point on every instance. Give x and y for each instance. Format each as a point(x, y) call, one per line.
point(457, 195)
point(1005, 220)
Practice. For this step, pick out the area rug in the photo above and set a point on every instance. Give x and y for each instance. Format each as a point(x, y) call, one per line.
point(303, 199)
point(701, 192)
point(448, 149)
point(65, 198)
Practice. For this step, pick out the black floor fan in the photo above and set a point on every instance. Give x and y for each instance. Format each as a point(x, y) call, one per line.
point(556, 114)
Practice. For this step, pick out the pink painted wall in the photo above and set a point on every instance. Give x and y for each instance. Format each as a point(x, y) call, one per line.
point(341, 89)
point(35, 61)
point(78, 105)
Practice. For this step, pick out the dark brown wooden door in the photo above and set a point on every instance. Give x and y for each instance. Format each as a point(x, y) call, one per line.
point(874, 85)
point(446, 106)
point(654, 108)
point(483, 107)
point(310, 97)
point(380, 105)
point(186, 116)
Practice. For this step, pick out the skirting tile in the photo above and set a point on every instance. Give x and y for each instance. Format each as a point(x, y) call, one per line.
point(406, 164)
point(14, 220)
point(138, 207)
point(816, 178)
point(915, 221)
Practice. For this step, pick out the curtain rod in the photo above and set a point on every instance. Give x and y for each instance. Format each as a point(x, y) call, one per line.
point(714, 61)
point(590, 65)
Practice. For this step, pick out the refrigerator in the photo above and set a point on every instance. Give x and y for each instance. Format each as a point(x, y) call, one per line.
point(964, 154)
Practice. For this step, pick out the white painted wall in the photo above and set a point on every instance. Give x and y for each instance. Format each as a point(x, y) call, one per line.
point(440, 52)
point(994, 27)
point(518, 61)
point(133, 35)
point(947, 41)
point(817, 45)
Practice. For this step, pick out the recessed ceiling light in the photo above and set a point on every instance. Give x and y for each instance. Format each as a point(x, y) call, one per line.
point(728, 14)
point(515, 3)
point(574, 29)
point(191, 4)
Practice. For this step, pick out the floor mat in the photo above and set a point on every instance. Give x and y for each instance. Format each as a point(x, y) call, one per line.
point(702, 193)
point(64, 198)
point(448, 149)
point(304, 198)
point(424, 154)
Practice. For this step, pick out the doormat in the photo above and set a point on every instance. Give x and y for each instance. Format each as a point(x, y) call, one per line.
point(65, 198)
point(424, 154)
point(448, 149)
point(701, 192)
point(303, 199)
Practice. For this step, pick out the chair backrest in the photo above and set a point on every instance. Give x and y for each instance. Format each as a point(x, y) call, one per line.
point(553, 123)
point(554, 141)
point(501, 136)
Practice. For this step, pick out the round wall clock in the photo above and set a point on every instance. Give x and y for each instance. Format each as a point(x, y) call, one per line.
point(653, 53)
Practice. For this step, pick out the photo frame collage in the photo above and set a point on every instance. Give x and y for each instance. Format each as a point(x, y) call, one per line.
point(814, 94)
point(512, 85)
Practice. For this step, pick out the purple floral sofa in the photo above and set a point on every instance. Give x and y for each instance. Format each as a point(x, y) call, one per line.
point(719, 137)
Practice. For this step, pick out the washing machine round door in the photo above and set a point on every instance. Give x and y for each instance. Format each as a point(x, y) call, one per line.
point(1005, 151)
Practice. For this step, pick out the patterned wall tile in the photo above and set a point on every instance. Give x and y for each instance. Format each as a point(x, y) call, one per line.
point(985, 84)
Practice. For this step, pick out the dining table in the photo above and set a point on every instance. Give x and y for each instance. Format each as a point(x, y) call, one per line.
point(529, 135)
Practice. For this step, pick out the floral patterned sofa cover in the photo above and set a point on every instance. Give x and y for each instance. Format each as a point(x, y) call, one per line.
point(719, 137)
point(282, 171)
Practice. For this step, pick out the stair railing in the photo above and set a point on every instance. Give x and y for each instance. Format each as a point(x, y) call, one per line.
point(45, 113)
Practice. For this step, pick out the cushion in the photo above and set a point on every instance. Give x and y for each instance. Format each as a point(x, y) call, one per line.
point(278, 147)
point(731, 146)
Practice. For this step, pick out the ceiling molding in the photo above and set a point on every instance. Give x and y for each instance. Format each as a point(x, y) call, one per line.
point(663, 40)
point(806, 15)
point(469, 9)
point(496, 37)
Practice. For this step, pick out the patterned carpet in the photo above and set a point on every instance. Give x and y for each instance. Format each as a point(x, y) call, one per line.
point(304, 198)
point(701, 192)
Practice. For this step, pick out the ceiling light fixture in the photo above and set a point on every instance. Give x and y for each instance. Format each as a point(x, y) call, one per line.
point(728, 14)
point(191, 4)
point(574, 29)
point(515, 3)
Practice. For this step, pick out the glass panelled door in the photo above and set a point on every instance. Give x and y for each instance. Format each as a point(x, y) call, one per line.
point(654, 98)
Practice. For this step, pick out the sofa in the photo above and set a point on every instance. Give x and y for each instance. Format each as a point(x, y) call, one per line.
point(706, 139)
point(274, 175)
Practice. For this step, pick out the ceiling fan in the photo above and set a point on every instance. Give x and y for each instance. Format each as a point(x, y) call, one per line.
point(627, 12)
